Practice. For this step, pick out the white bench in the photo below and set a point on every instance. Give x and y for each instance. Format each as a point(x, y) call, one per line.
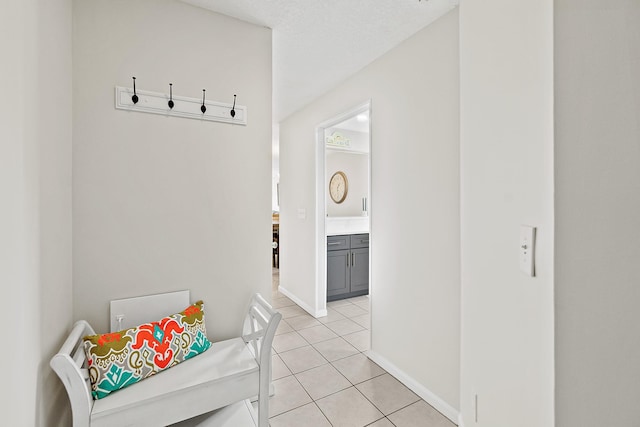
point(230, 371)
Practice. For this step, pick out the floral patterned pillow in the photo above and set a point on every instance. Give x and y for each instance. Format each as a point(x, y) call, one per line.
point(119, 359)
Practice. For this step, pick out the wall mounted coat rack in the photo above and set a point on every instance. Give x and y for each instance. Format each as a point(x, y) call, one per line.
point(191, 108)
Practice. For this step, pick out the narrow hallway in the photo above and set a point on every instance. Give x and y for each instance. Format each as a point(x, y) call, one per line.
point(323, 378)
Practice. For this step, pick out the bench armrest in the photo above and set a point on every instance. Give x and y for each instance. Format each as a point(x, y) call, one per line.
point(259, 330)
point(68, 364)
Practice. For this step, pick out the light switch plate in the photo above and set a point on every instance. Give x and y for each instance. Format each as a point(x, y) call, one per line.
point(527, 250)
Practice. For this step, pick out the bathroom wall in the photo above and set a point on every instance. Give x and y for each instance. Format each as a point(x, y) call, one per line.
point(356, 168)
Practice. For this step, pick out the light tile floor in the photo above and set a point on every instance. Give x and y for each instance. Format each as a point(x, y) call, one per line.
point(322, 377)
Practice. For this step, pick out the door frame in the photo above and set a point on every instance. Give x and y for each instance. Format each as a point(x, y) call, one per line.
point(321, 204)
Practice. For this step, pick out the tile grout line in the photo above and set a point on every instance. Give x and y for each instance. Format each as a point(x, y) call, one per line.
point(404, 407)
point(331, 363)
point(353, 384)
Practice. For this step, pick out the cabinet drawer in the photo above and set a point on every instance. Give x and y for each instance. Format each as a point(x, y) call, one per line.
point(359, 241)
point(336, 243)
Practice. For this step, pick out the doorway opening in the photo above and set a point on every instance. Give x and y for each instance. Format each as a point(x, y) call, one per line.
point(275, 208)
point(343, 200)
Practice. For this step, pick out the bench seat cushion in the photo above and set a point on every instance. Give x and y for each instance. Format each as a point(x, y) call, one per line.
point(226, 373)
point(120, 359)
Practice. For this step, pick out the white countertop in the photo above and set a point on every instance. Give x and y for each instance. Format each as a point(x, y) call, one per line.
point(336, 226)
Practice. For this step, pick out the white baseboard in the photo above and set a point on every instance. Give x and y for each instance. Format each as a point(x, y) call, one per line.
point(302, 304)
point(431, 398)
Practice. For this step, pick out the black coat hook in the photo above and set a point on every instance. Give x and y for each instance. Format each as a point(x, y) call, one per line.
point(203, 108)
point(134, 98)
point(233, 109)
point(171, 104)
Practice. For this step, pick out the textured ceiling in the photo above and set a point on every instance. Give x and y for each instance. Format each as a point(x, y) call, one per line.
point(318, 44)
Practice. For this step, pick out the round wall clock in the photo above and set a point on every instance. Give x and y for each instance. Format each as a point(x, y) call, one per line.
point(338, 187)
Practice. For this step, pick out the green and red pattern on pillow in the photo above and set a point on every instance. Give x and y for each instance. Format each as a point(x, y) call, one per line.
point(119, 359)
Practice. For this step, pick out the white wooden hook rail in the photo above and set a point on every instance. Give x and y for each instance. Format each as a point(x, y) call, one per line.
point(158, 103)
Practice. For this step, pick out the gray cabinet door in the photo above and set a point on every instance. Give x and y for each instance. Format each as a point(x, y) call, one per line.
point(359, 270)
point(338, 272)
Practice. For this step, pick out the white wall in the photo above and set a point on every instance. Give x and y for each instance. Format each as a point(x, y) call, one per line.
point(164, 203)
point(35, 213)
point(358, 141)
point(597, 158)
point(356, 168)
point(506, 130)
point(414, 203)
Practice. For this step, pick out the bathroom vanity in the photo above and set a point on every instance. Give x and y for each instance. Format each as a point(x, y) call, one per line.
point(347, 266)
